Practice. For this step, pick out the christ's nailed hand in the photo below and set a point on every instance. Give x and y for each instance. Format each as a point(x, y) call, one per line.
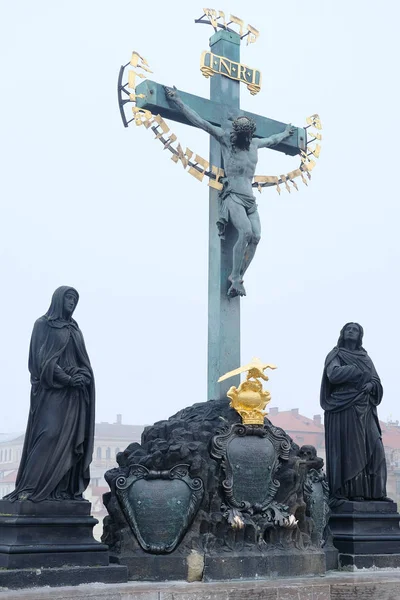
point(290, 129)
point(171, 93)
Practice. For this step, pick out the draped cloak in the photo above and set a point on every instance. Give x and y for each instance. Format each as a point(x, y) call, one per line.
point(228, 195)
point(59, 438)
point(356, 465)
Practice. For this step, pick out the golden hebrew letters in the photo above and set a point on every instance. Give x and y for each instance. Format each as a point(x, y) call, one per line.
point(316, 136)
point(198, 166)
point(132, 97)
point(316, 151)
point(198, 160)
point(211, 14)
point(239, 22)
point(184, 157)
point(304, 180)
point(139, 62)
point(217, 19)
point(284, 180)
point(272, 179)
point(162, 124)
point(142, 116)
point(132, 78)
point(221, 15)
point(315, 121)
point(294, 174)
point(215, 183)
point(253, 34)
point(171, 139)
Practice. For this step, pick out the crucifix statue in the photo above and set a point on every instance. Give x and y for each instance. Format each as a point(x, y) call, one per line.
point(237, 204)
point(235, 137)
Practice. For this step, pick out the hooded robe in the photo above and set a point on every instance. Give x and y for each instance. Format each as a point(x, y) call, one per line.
point(356, 465)
point(59, 438)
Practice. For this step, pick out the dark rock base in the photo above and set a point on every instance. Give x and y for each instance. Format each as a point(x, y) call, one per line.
point(67, 576)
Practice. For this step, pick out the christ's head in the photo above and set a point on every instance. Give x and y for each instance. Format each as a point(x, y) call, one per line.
point(243, 129)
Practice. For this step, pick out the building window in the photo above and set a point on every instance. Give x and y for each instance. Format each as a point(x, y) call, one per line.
point(108, 453)
point(98, 453)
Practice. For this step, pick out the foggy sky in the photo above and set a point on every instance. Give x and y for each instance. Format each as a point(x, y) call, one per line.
point(90, 204)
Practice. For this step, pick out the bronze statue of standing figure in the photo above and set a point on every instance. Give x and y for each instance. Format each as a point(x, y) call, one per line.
point(237, 203)
point(350, 393)
point(60, 432)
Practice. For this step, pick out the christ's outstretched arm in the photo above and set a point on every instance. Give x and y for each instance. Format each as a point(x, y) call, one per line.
point(191, 115)
point(275, 139)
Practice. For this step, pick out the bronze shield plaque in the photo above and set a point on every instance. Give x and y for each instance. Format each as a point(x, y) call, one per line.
point(250, 456)
point(159, 505)
point(251, 460)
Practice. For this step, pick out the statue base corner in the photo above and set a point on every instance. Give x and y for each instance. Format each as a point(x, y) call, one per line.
point(366, 534)
point(52, 543)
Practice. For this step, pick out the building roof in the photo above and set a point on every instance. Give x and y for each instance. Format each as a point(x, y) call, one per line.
point(292, 420)
point(118, 431)
point(311, 431)
point(10, 477)
point(390, 435)
point(11, 437)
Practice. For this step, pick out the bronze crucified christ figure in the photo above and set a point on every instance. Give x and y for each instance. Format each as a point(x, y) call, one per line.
point(237, 203)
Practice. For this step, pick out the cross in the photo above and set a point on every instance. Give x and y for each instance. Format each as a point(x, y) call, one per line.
point(223, 311)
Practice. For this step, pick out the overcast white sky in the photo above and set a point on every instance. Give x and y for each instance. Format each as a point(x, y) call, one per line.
point(87, 203)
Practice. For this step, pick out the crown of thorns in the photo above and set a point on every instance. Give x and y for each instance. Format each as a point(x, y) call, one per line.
point(244, 124)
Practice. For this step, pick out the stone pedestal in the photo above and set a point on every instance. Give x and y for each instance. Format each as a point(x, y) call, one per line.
point(53, 535)
point(366, 534)
point(204, 566)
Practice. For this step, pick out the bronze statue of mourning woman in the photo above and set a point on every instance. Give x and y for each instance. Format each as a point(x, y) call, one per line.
point(364, 523)
point(350, 393)
point(59, 437)
point(45, 521)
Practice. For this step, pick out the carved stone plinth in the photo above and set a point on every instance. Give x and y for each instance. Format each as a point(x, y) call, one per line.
point(366, 534)
point(204, 497)
point(259, 565)
point(52, 535)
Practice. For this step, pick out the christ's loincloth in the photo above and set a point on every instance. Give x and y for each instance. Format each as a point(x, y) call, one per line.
point(226, 197)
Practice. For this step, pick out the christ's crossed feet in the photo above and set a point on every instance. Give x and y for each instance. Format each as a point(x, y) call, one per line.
point(236, 288)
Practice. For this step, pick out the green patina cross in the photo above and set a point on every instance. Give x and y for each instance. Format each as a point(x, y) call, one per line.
point(223, 311)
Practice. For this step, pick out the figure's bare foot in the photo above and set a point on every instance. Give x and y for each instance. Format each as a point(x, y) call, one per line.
point(236, 288)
